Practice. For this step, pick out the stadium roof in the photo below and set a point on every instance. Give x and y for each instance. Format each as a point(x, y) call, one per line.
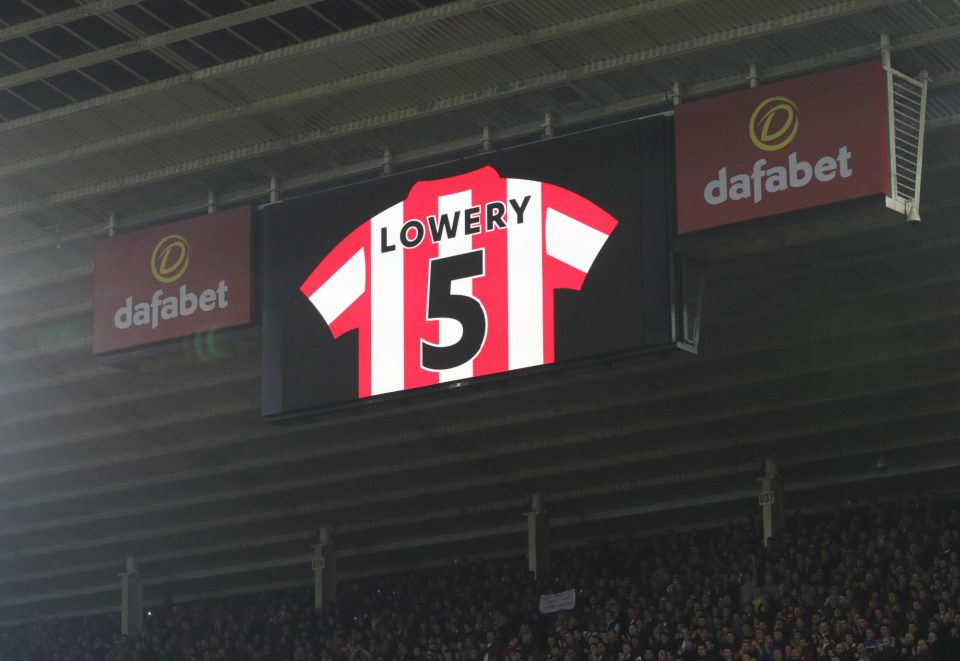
point(829, 355)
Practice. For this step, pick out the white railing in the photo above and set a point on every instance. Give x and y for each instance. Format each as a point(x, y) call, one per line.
point(906, 119)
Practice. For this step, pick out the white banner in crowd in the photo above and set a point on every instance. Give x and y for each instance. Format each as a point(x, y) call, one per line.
point(551, 603)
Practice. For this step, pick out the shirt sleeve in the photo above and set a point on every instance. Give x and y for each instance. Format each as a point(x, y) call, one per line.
point(575, 231)
point(340, 280)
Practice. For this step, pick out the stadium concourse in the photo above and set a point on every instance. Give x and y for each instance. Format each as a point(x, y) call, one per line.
point(138, 473)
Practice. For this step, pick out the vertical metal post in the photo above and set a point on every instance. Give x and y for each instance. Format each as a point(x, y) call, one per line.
point(112, 224)
point(538, 538)
point(925, 79)
point(211, 202)
point(275, 189)
point(753, 76)
point(891, 132)
point(324, 570)
point(885, 50)
point(131, 599)
point(548, 125)
point(387, 162)
point(675, 93)
point(486, 142)
point(771, 499)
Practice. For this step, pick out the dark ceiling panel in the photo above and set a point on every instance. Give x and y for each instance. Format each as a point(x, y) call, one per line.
point(194, 54)
point(173, 12)
point(7, 67)
point(304, 23)
point(112, 75)
point(11, 107)
point(42, 95)
point(225, 45)
point(14, 11)
point(98, 32)
point(149, 65)
point(393, 8)
point(26, 53)
point(144, 20)
point(54, 6)
point(265, 34)
point(346, 14)
point(76, 85)
point(60, 42)
point(223, 7)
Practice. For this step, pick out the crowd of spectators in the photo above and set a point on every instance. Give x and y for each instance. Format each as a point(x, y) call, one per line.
point(869, 582)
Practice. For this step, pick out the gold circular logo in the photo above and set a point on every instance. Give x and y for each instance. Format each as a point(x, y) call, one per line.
point(774, 123)
point(170, 258)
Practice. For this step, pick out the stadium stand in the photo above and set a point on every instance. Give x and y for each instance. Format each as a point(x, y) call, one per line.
point(863, 582)
point(820, 359)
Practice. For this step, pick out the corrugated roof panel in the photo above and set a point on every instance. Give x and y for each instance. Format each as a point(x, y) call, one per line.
point(17, 230)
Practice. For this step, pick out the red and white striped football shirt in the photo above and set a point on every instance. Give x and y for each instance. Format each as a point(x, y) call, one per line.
point(507, 244)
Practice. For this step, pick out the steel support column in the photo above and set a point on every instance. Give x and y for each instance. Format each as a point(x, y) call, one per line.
point(771, 499)
point(324, 570)
point(131, 599)
point(538, 538)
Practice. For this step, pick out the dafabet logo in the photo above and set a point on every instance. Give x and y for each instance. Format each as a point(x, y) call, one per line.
point(170, 258)
point(774, 123)
point(168, 263)
point(773, 126)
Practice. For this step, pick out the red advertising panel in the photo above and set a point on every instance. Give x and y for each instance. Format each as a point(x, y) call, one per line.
point(781, 147)
point(173, 280)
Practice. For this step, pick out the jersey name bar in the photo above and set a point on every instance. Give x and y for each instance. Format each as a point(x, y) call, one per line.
point(492, 218)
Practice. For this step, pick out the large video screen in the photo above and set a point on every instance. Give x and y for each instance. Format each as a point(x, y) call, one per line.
point(550, 253)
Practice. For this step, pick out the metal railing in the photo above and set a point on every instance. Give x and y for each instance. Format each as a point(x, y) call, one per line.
point(906, 119)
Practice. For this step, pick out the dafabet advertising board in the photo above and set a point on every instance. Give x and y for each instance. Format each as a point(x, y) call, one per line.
point(173, 280)
point(546, 253)
point(782, 147)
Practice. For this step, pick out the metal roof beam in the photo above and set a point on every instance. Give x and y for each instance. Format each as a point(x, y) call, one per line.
point(152, 41)
point(350, 83)
point(132, 396)
point(490, 531)
point(85, 10)
point(790, 487)
point(244, 407)
point(788, 404)
point(467, 99)
point(786, 372)
point(944, 122)
point(309, 534)
point(46, 279)
point(162, 556)
point(234, 409)
point(432, 489)
point(251, 407)
point(647, 508)
point(312, 180)
point(373, 30)
point(170, 57)
point(50, 314)
point(76, 343)
point(53, 381)
point(841, 263)
point(85, 270)
point(140, 396)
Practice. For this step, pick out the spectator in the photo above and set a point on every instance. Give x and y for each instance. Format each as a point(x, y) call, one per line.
point(866, 583)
